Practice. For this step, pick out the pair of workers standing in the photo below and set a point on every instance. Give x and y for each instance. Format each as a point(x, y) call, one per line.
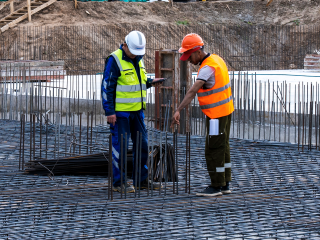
point(123, 91)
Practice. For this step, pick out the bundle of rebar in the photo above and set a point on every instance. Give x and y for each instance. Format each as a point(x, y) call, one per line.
point(92, 164)
point(163, 161)
point(97, 164)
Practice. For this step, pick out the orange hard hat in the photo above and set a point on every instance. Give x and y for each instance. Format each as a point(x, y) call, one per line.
point(191, 41)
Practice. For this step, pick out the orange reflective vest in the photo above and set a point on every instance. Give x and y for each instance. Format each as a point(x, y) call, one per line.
point(217, 101)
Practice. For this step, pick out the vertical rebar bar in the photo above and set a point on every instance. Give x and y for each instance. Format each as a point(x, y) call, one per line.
point(136, 159)
point(20, 144)
point(189, 165)
point(23, 137)
point(148, 163)
point(176, 162)
point(34, 135)
point(125, 163)
point(31, 135)
point(160, 161)
point(186, 166)
point(111, 170)
point(91, 131)
point(121, 163)
point(152, 159)
point(140, 167)
point(88, 132)
point(165, 164)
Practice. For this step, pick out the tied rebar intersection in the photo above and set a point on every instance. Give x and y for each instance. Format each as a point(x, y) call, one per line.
point(275, 195)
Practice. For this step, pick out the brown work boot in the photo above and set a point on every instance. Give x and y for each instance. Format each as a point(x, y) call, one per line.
point(129, 189)
point(154, 185)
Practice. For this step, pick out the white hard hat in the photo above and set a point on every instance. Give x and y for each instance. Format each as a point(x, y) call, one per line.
point(136, 43)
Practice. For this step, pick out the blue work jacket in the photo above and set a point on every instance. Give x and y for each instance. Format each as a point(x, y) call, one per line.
point(109, 82)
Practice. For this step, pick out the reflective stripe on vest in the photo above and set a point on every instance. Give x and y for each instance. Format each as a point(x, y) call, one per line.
point(213, 105)
point(202, 94)
point(130, 88)
point(217, 101)
point(130, 92)
point(117, 60)
point(129, 100)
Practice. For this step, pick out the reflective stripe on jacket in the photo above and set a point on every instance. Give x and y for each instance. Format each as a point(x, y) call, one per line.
point(130, 92)
point(217, 101)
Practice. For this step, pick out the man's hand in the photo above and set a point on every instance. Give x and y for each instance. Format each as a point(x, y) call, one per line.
point(186, 101)
point(112, 119)
point(154, 82)
point(175, 119)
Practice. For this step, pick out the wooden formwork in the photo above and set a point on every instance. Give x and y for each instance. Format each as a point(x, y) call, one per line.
point(179, 80)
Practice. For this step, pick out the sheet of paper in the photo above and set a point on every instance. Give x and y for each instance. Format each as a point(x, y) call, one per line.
point(214, 127)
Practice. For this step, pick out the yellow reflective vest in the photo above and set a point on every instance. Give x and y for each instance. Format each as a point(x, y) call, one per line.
point(130, 93)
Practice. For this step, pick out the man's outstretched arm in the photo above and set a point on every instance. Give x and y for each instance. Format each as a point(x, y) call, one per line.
point(186, 101)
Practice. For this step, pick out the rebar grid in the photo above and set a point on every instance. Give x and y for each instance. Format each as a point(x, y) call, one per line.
point(275, 195)
point(274, 110)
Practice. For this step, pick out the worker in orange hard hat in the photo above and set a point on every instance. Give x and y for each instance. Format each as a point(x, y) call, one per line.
point(215, 98)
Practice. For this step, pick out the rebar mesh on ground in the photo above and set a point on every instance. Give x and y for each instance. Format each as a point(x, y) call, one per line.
point(275, 196)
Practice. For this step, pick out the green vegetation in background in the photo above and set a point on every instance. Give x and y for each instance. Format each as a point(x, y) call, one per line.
point(185, 22)
point(107, 0)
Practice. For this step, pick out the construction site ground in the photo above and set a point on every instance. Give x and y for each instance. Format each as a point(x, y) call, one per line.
point(275, 186)
point(275, 195)
point(279, 12)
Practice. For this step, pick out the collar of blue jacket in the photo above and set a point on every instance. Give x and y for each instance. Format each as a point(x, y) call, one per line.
point(126, 58)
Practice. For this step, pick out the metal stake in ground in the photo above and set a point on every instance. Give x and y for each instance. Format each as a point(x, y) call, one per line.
point(140, 167)
point(20, 146)
point(160, 161)
point(151, 163)
point(125, 166)
point(165, 165)
point(189, 151)
point(87, 132)
point(148, 165)
point(186, 171)
point(136, 159)
point(176, 161)
point(23, 136)
point(110, 168)
point(47, 120)
point(91, 131)
point(121, 163)
point(80, 133)
point(34, 136)
point(30, 138)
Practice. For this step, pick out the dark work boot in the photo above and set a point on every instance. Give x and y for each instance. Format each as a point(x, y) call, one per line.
point(210, 192)
point(226, 189)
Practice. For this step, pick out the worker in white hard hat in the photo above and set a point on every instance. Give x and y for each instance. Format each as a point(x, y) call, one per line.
point(124, 91)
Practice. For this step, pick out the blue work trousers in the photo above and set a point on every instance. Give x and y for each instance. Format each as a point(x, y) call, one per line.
point(130, 123)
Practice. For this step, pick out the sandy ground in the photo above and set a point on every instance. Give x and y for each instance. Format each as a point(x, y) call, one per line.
point(280, 12)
